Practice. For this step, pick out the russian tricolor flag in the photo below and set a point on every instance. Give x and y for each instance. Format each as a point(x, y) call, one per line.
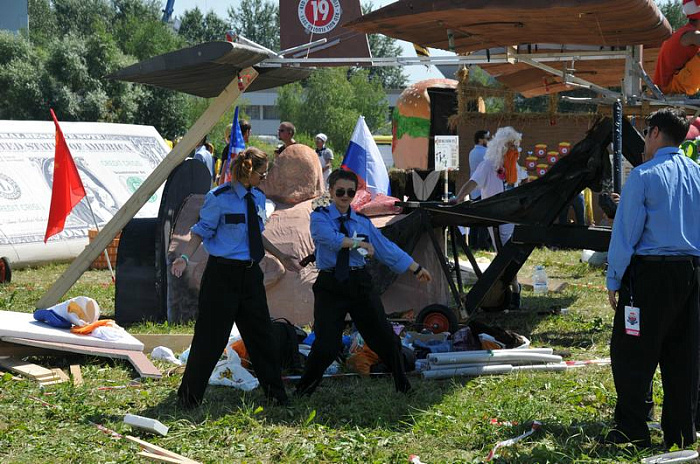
point(363, 158)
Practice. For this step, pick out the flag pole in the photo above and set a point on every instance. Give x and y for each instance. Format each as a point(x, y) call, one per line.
point(94, 219)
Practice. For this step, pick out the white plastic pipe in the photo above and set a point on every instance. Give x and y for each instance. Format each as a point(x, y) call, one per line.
point(542, 367)
point(466, 357)
point(468, 371)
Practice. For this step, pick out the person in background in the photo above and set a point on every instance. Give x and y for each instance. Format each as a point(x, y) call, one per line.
point(285, 133)
point(343, 238)
point(478, 236)
point(499, 167)
point(203, 154)
point(325, 156)
point(653, 282)
point(224, 163)
point(232, 291)
point(678, 64)
point(579, 206)
point(246, 129)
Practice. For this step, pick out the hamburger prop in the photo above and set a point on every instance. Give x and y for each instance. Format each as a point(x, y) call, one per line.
point(410, 124)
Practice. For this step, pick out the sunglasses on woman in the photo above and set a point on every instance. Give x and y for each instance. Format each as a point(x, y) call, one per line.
point(340, 192)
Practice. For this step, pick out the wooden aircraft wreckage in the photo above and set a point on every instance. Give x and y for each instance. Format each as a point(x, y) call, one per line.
point(534, 47)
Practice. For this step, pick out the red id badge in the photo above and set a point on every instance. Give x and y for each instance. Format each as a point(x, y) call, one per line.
point(632, 318)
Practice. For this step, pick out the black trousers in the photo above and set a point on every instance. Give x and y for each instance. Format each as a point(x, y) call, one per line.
point(479, 236)
point(231, 294)
point(333, 300)
point(666, 293)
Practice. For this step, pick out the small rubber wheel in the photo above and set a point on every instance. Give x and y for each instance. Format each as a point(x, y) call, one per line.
point(438, 318)
point(5, 271)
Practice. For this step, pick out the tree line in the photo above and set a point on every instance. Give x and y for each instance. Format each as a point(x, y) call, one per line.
point(71, 45)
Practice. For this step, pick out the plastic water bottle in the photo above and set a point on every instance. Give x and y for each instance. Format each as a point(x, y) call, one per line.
point(539, 280)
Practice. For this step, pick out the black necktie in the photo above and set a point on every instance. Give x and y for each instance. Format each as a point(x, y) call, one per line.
point(342, 262)
point(254, 236)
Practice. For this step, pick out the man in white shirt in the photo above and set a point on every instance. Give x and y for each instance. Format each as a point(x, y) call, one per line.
point(478, 236)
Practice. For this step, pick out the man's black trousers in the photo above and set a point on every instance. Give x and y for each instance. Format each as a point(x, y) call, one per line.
point(231, 292)
point(333, 300)
point(666, 292)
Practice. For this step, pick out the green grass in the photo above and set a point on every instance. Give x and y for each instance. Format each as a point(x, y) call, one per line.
point(351, 420)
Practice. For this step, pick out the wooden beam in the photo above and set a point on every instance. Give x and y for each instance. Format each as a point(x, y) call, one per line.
point(153, 449)
point(77, 374)
point(137, 359)
point(139, 198)
point(176, 342)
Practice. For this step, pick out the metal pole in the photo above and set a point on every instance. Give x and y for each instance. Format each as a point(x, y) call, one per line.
point(94, 219)
point(617, 147)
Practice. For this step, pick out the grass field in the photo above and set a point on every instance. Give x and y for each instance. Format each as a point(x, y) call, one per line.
point(351, 420)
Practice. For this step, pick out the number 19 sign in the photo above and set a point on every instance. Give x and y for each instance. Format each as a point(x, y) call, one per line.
point(319, 16)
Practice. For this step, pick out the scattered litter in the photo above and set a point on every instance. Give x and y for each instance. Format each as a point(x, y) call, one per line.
point(535, 426)
point(107, 431)
point(132, 384)
point(165, 354)
point(39, 400)
point(413, 459)
point(160, 454)
point(495, 421)
point(589, 362)
point(146, 423)
point(230, 373)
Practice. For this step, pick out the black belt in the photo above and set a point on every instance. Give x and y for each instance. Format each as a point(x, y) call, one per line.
point(235, 262)
point(352, 268)
point(667, 258)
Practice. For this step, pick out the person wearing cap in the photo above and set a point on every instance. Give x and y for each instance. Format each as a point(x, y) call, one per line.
point(653, 283)
point(343, 238)
point(678, 65)
point(230, 227)
point(325, 155)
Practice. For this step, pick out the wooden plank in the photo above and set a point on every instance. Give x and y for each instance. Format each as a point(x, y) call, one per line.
point(60, 373)
point(139, 198)
point(22, 351)
point(139, 360)
point(26, 369)
point(77, 374)
point(176, 342)
point(159, 457)
point(158, 450)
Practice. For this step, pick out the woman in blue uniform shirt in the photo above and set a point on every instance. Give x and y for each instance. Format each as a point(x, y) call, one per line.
point(230, 227)
point(343, 238)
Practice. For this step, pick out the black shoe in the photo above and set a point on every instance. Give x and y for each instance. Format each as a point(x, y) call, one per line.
point(279, 400)
point(514, 301)
point(186, 404)
point(617, 437)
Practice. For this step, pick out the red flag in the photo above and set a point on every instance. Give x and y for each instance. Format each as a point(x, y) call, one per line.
point(67, 188)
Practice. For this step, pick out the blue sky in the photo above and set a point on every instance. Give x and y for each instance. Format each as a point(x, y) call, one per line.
point(220, 7)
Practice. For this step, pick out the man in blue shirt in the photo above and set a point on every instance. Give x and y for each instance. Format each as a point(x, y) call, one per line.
point(478, 236)
point(653, 263)
point(343, 238)
point(203, 154)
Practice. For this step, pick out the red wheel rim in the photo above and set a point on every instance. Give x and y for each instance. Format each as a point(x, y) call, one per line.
point(436, 323)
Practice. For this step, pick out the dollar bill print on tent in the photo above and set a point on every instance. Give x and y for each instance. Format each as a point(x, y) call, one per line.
point(112, 159)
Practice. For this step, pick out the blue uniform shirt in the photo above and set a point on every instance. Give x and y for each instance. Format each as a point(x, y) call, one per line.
point(223, 220)
point(658, 214)
point(325, 232)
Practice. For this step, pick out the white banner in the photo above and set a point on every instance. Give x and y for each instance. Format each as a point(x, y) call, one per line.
point(446, 152)
point(112, 159)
